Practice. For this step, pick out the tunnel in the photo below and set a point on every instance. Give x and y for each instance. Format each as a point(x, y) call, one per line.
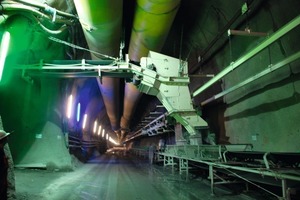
point(149, 99)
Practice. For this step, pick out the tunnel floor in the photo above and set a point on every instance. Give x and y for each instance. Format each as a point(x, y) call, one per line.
point(115, 176)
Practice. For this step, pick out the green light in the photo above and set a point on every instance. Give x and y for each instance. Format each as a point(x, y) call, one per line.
point(3, 51)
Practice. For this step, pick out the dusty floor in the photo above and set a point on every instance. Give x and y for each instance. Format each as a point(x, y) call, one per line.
point(114, 177)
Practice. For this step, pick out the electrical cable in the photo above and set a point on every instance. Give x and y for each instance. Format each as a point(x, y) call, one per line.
point(9, 6)
point(43, 6)
point(81, 48)
point(252, 183)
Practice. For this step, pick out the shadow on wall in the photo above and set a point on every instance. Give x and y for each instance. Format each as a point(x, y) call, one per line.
point(214, 115)
point(267, 107)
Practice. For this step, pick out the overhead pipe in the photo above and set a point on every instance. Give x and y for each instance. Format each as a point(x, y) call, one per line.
point(42, 6)
point(277, 35)
point(7, 7)
point(152, 22)
point(101, 22)
point(58, 31)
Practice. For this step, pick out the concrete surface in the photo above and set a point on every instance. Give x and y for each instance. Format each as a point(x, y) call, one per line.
point(113, 177)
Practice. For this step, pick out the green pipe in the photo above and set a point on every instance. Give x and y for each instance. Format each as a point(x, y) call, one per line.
point(101, 22)
point(152, 22)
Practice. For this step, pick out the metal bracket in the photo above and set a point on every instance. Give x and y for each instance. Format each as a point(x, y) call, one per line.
point(167, 79)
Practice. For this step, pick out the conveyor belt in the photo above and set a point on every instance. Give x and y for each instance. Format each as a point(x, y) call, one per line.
point(268, 159)
point(275, 165)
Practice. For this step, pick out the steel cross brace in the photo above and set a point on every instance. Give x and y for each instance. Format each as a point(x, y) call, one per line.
point(159, 75)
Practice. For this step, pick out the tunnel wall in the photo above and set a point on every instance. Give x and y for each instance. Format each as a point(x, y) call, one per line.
point(264, 112)
point(29, 103)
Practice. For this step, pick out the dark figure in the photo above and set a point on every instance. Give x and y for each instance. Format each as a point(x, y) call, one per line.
point(3, 167)
point(7, 177)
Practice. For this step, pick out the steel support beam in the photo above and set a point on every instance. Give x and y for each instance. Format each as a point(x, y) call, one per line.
point(277, 35)
point(268, 70)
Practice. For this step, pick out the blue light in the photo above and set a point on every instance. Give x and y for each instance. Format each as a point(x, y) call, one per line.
point(78, 112)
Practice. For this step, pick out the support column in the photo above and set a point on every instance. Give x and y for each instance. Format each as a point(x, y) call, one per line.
point(211, 176)
point(179, 139)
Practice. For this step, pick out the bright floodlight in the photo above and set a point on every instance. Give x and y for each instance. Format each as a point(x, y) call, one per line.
point(78, 112)
point(84, 121)
point(103, 131)
point(113, 141)
point(3, 51)
point(99, 130)
point(69, 110)
point(95, 126)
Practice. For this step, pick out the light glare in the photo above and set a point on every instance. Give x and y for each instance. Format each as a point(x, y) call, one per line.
point(99, 130)
point(84, 121)
point(103, 131)
point(95, 126)
point(78, 112)
point(3, 51)
point(70, 102)
point(113, 141)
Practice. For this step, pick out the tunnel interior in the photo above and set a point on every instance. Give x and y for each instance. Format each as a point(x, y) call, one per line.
point(85, 78)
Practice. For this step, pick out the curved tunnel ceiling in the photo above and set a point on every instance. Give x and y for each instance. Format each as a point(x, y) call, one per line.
point(101, 23)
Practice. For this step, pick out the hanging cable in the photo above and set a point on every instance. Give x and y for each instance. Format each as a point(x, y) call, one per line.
point(44, 6)
point(230, 48)
point(252, 183)
point(81, 48)
point(9, 6)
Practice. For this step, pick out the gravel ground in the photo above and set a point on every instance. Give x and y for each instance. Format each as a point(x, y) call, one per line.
point(114, 177)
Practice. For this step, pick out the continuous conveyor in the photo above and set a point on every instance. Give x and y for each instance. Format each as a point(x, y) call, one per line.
point(272, 168)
